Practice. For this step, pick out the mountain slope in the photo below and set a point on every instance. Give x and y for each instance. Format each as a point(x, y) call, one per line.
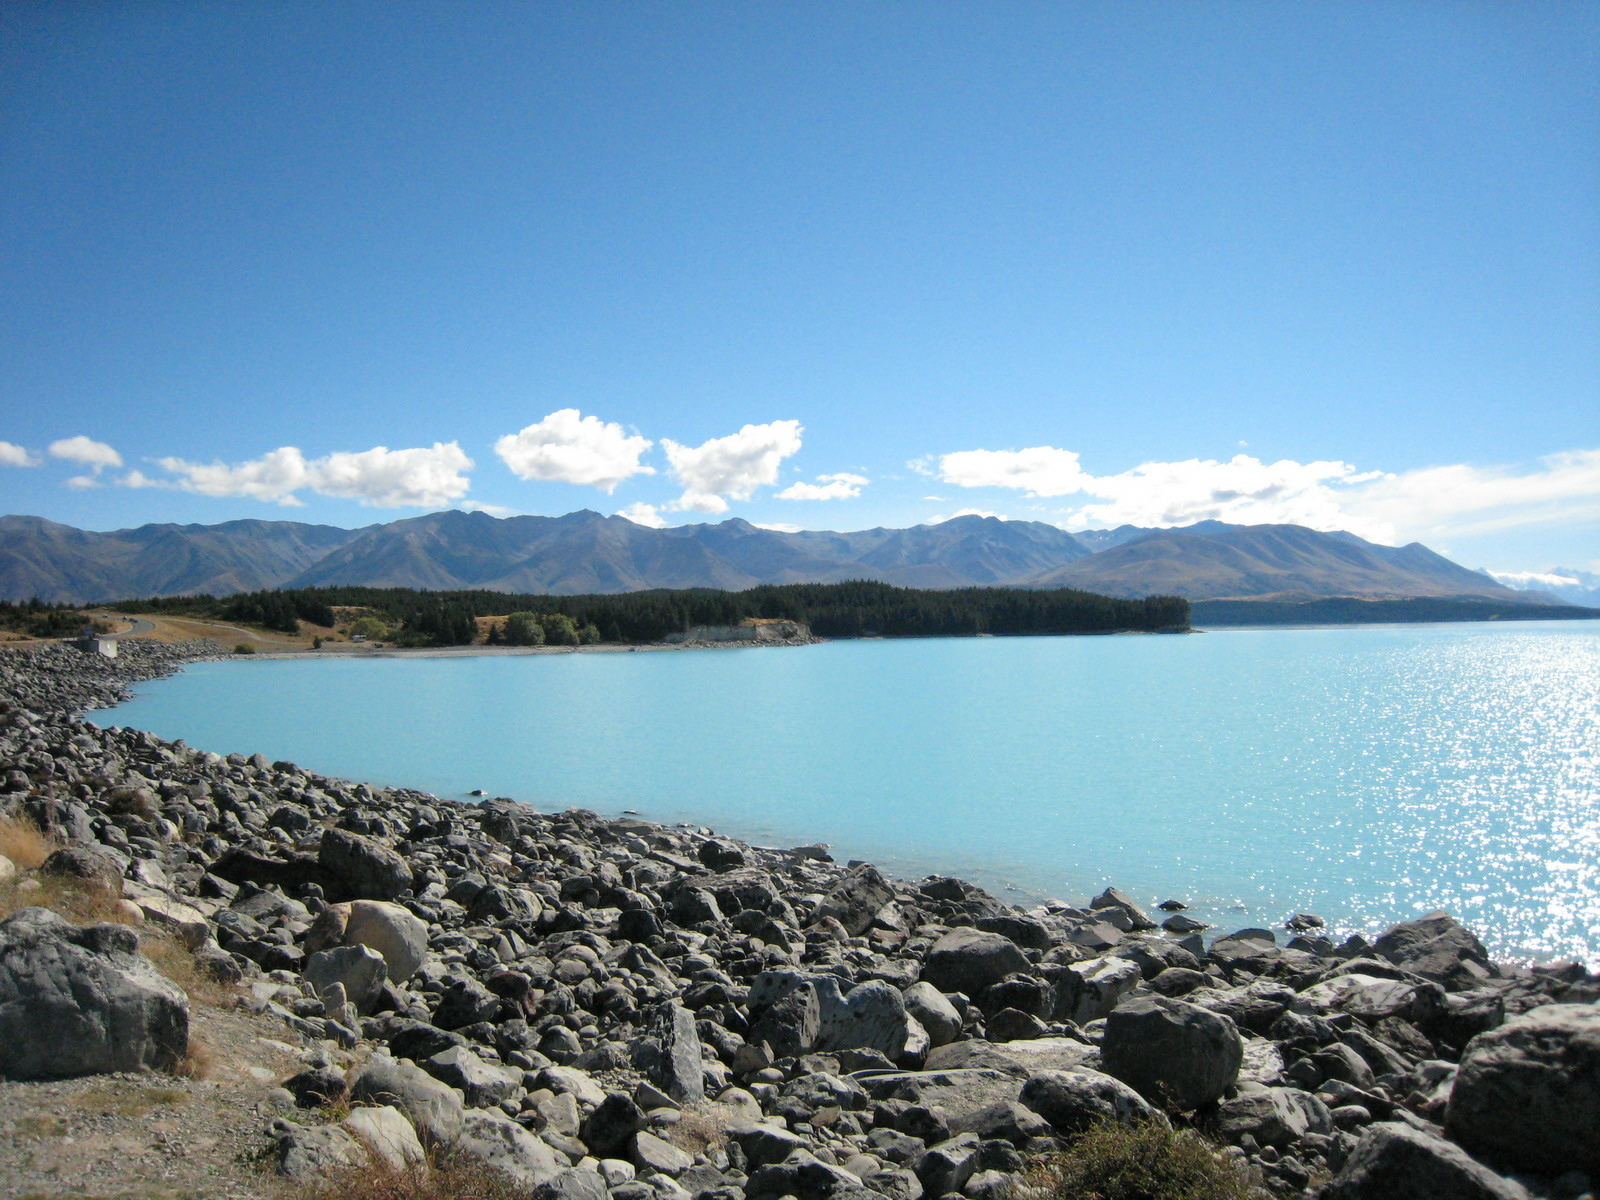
point(1216, 561)
point(588, 552)
point(59, 563)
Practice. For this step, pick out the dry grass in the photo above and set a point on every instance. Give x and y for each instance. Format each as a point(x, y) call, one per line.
point(1139, 1162)
point(199, 1062)
point(447, 1177)
point(22, 842)
point(701, 1128)
point(78, 900)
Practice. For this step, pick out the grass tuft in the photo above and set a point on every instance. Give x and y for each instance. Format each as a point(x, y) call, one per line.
point(1112, 1161)
point(23, 843)
point(700, 1129)
point(445, 1177)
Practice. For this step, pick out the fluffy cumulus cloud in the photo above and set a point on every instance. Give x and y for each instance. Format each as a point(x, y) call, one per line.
point(423, 477)
point(97, 456)
point(1037, 471)
point(647, 515)
point(839, 486)
point(732, 467)
point(568, 447)
point(1243, 490)
point(13, 455)
point(1432, 502)
point(384, 478)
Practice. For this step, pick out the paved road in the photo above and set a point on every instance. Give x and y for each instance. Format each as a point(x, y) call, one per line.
point(140, 625)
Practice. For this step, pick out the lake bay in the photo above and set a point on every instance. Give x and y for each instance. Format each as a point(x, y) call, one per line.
point(1364, 774)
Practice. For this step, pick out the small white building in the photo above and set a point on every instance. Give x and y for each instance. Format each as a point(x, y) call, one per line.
point(91, 642)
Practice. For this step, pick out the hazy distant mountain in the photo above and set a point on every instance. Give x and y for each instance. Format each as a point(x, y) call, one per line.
point(59, 563)
point(587, 552)
point(1212, 560)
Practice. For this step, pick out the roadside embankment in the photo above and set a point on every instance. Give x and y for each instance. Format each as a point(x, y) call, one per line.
point(596, 1009)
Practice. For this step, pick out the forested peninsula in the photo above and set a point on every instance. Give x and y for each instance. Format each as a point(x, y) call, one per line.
point(834, 610)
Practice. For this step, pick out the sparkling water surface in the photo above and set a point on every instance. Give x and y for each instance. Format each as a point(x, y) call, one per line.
point(1364, 774)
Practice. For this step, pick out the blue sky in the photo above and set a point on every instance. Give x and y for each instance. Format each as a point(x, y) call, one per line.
point(1083, 263)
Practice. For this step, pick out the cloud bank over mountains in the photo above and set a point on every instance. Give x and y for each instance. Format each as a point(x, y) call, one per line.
point(1386, 507)
point(569, 447)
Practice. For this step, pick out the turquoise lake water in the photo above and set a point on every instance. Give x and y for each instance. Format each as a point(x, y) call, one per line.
point(1363, 774)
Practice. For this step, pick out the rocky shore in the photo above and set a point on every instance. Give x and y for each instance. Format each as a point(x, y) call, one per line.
point(615, 1010)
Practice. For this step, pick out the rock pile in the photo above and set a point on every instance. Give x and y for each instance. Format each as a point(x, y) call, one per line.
point(616, 1010)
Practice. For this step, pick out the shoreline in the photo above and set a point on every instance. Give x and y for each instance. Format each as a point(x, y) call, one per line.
point(899, 1038)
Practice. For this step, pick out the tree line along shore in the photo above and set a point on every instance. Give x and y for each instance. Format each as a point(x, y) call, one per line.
point(568, 1007)
point(409, 617)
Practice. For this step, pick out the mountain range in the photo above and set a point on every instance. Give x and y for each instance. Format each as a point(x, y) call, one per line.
point(587, 552)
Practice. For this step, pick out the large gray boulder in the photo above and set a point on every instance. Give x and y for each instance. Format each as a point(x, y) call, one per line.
point(360, 869)
point(1074, 1100)
point(1276, 1116)
point(434, 1108)
point(1437, 947)
point(497, 1141)
point(969, 960)
point(1119, 901)
point(1527, 1094)
point(310, 1153)
point(873, 1016)
point(856, 899)
point(1088, 990)
point(1171, 1052)
point(83, 1001)
point(1395, 1162)
point(395, 933)
point(481, 1084)
point(360, 971)
point(934, 1012)
point(668, 1052)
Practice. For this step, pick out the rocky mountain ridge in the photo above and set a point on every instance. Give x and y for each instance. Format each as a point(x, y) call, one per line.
point(586, 552)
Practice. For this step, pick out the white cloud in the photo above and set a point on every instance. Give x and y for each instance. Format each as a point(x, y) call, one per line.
point(12, 455)
point(568, 447)
point(494, 510)
point(643, 514)
point(1457, 500)
point(922, 466)
point(1461, 500)
point(95, 455)
point(840, 486)
point(1243, 491)
point(965, 512)
point(1535, 579)
point(138, 479)
point(1037, 471)
point(379, 478)
point(83, 482)
point(733, 466)
point(383, 478)
point(777, 527)
point(274, 477)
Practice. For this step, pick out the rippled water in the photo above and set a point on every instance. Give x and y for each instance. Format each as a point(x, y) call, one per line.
point(1364, 774)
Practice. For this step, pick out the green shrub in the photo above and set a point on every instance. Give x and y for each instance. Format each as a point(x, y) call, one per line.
point(369, 627)
point(1139, 1162)
point(244, 648)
